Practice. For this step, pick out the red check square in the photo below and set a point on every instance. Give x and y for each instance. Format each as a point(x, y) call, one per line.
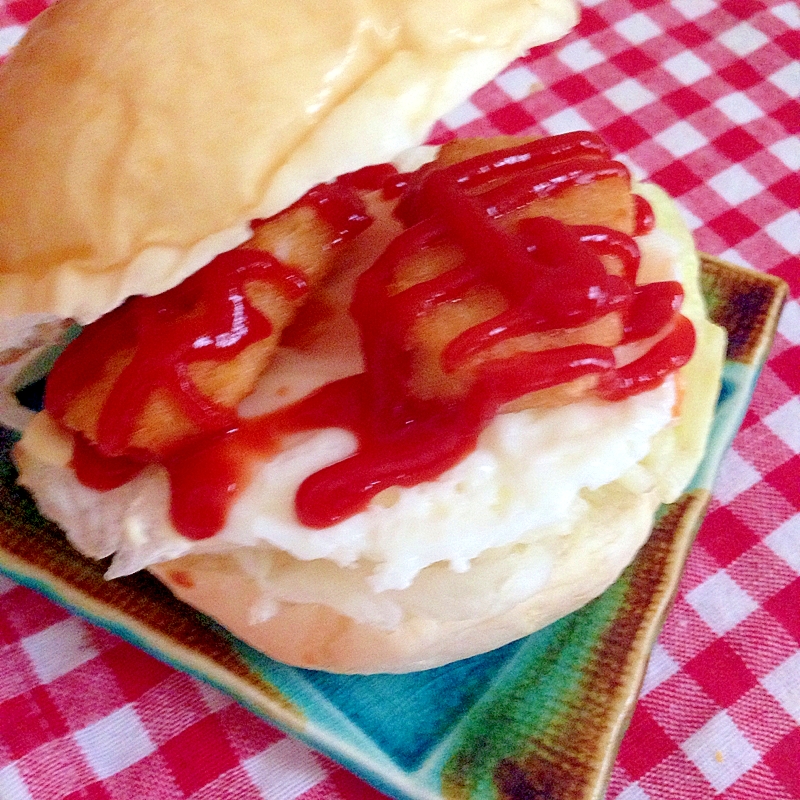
point(787, 364)
point(634, 62)
point(25, 10)
point(725, 536)
point(733, 226)
point(347, 785)
point(199, 754)
point(785, 480)
point(625, 134)
point(785, 607)
point(789, 42)
point(787, 190)
point(29, 721)
point(645, 745)
point(736, 144)
point(511, 119)
point(741, 75)
point(788, 117)
point(94, 791)
point(789, 270)
point(690, 35)
point(762, 642)
point(784, 761)
point(575, 88)
point(685, 101)
point(677, 179)
point(31, 615)
point(135, 670)
point(721, 673)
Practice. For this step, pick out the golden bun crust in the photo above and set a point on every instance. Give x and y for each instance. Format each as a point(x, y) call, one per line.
point(138, 137)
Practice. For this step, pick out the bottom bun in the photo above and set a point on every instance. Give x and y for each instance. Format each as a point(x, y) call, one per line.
point(583, 563)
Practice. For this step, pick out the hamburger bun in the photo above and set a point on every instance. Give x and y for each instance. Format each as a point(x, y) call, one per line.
point(132, 167)
point(138, 138)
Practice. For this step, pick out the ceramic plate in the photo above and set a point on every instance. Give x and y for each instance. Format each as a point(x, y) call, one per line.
point(542, 717)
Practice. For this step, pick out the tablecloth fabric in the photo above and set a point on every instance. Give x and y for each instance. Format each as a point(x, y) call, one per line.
point(702, 98)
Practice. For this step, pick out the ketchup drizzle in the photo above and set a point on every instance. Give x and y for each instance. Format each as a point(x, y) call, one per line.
point(207, 317)
point(482, 170)
point(649, 371)
point(339, 203)
point(536, 154)
point(645, 219)
point(207, 314)
point(551, 274)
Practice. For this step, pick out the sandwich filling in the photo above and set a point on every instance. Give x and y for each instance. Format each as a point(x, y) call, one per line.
point(392, 386)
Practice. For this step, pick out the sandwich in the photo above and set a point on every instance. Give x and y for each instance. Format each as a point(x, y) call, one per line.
point(374, 407)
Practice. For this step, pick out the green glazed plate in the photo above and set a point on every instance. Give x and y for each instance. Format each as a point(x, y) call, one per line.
point(542, 717)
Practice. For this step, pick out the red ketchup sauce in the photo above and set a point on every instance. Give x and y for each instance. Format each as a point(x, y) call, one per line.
point(552, 276)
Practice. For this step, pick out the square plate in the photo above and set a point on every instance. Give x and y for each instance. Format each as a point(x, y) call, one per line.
point(541, 717)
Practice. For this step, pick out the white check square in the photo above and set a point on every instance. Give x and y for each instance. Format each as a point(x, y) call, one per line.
point(687, 68)
point(564, 121)
point(681, 139)
point(633, 792)
point(517, 83)
point(786, 231)
point(693, 222)
point(787, 79)
point(694, 9)
point(736, 475)
point(9, 37)
point(721, 603)
point(629, 95)
point(788, 13)
point(789, 323)
point(637, 28)
point(12, 786)
point(743, 39)
point(580, 55)
point(735, 257)
point(462, 115)
point(125, 729)
point(784, 422)
point(721, 752)
point(739, 108)
point(783, 683)
point(784, 541)
point(788, 151)
point(285, 770)
point(735, 185)
point(59, 649)
point(660, 668)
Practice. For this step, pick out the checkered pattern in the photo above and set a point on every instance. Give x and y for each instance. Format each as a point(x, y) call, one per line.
point(701, 97)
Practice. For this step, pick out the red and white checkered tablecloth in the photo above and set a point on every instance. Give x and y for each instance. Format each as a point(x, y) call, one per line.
point(702, 98)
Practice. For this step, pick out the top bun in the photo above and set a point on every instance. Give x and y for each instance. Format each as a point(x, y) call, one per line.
point(139, 137)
